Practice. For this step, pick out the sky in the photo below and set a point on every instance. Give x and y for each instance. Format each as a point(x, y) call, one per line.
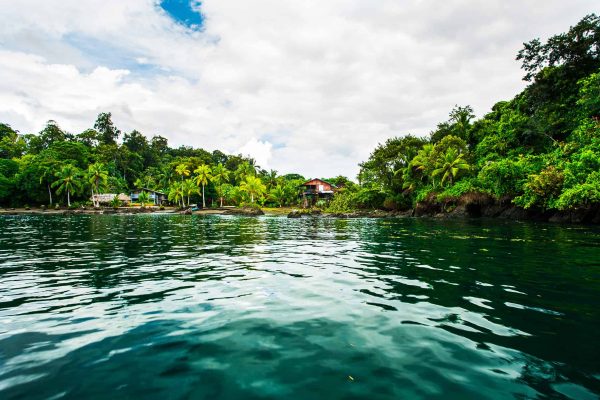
point(306, 86)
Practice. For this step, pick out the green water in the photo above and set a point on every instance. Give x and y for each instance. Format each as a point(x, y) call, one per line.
point(178, 307)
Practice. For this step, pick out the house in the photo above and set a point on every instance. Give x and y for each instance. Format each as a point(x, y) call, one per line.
point(106, 199)
point(154, 196)
point(317, 189)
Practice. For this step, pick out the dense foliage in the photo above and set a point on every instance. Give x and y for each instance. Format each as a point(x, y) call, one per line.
point(540, 149)
point(56, 167)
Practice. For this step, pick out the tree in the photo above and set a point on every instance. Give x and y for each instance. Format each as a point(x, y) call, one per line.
point(89, 137)
point(243, 170)
point(176, 194)
point(143, 198)
point(182, 170)
point(424, 161)
point(385, 163)
point(188, 188)
point(115, 202)
point(253, 186)
point(270, 179)
point(108, 132)
point(68, 180)
point(98, 178)
point(47, 175)
point(461, 118)
point(450, 165)
point(579, 48)
point(51, 134)
point(203, 176)
point(166, 175)
point(220, 176)
point(278, 195)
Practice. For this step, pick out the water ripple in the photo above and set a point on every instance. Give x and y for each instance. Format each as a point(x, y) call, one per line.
point(156, 306)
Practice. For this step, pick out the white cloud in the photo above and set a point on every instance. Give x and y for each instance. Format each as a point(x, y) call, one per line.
point(308, 87)
point(260, 151)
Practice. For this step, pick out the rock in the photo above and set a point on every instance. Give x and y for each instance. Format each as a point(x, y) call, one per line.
point(186, 212)
point(295, 214)
point(423, 209)
point(245, 211)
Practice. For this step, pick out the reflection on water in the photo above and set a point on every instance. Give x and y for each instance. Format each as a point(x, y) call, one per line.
point(177, 307)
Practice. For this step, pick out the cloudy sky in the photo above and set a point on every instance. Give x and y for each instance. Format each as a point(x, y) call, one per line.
point(303, 86)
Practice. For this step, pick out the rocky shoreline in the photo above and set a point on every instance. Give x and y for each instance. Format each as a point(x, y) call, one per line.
point(495, 209)
point(589, 215)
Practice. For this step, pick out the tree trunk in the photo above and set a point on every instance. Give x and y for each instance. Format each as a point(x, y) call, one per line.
point(93, 198)
point(203, 202)
point(69, 198)
point(50, 194)
point(221, 201)
point(252, 198)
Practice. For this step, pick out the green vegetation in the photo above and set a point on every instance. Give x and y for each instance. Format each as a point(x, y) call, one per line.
point(539, 150)
point(55, 166)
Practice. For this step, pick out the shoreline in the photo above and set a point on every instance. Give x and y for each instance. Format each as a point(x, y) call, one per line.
point(469, 211)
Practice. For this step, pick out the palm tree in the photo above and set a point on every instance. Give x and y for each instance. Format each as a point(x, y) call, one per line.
point(46, 176)
point(115, 202)
point(424, 162)
point(143, 198)
point(243, 170)
point(68, 181)
point(278, 194)
point(271, 179)
point(203, 176)
point(97, 177)
point(176, 194)
point(450, 165)
point(165, 177)
point(253, 186)
point(182, 170)
point(220, 175)
point(188, 188)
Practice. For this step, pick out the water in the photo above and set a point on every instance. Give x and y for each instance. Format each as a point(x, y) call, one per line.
point(178, 307)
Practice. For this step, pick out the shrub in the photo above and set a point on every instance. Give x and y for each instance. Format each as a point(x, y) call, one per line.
point(460, 189)
point(507, 177)
point(581, 195)
point(367, 197)
point(343, 202)
point(321, 204)
point(247, 204)
point(424, 193)
point(541, 189)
